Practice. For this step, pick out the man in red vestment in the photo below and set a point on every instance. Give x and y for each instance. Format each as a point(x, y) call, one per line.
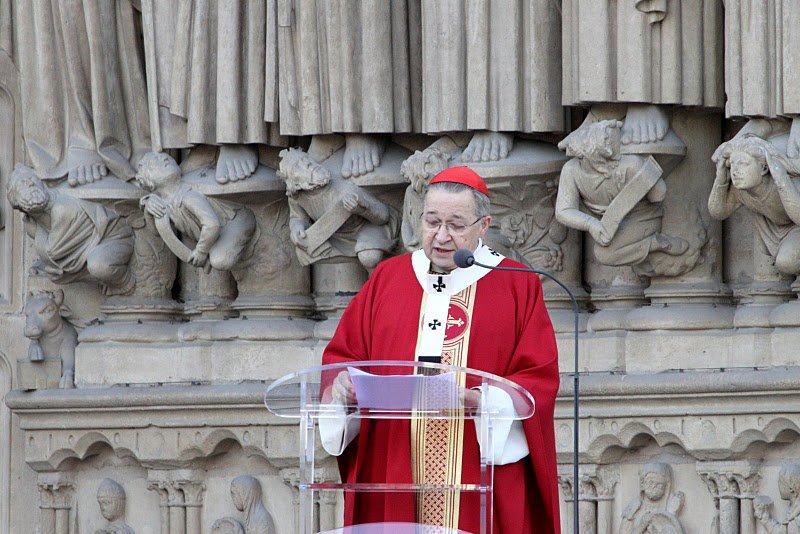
point(507, 332)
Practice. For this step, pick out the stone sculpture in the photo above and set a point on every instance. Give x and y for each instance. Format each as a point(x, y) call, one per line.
point(224, 231)
point(52, 337)
point(213, 87)
point(477, 62)
point(789, 487)
point(246, 496)
point(761, 63)
point(622, 195)
point(84, 103)
point(74, 239)
point(418, 169)
point(227, 525)
point(656, 508)
point(751, 172)
point(111, 498)
point(349, 68)
point(333, 218)
point(644, 54)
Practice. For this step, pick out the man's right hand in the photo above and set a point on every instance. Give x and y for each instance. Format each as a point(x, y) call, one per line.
point(343, 391)
point(599, 234)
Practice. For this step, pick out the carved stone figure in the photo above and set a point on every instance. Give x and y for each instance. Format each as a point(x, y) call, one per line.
point(641, 53)
point(212, 73)
point(622, 195)
point(224, 231)
point(227, 525)
point(656, 508)
point(84, 102)
point(52, 337)
point(349, 68)
point(789, 487)
point(331, 217)
point(761, 62)
point(751, 172)
point(74, 239)
point(111, 498)
point(478, 60)
point(418, 169)
point(246, 496)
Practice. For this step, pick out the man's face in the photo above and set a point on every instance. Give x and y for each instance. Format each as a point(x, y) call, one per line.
point(33, 195)
point(108, 506)
point(157, 171)
point(654, 486)
point(746, 171)
point(442, 207)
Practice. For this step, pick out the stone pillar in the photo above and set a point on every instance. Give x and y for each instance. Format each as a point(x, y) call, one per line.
point(733, 485)
point(291, 477)
point(567, 505)
point(181, 493)
point(595, 501)
point(327, 510)
point(56, 492)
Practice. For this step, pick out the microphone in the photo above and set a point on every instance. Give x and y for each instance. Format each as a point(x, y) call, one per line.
point(465, 258)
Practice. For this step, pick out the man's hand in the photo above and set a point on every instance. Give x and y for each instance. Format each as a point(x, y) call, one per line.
point(298, 236)
point(154, 205)
point(599, 233)
point(198, 258)
point(343, 391)
point(351, 202)
point(470, 399)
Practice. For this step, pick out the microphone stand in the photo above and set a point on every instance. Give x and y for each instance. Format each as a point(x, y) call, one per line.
point(470, 260)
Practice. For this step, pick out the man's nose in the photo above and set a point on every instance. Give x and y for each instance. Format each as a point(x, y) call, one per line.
point(442, 234)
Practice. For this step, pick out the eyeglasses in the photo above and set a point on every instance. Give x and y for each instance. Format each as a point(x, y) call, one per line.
point(453, 228)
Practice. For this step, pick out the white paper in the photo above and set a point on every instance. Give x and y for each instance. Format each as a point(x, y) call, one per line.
point(405, 392)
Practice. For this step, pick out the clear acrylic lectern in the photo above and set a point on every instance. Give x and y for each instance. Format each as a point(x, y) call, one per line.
point(402, 391)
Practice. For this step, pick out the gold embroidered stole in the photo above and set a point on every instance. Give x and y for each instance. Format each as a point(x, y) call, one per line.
point(437, 444)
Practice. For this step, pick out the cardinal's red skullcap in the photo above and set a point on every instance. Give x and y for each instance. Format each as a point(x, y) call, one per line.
point(462, 175)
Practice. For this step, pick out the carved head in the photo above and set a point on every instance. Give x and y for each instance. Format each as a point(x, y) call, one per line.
point(227, 525)
point(44, 312)
point(156, 169)
point(245, 492)
point(111, 498)
point(26, 192)
point(789, 482)
point(654, 479)
point(596, 142)
point(746, 159)
point(422, 166)
point(301, 172)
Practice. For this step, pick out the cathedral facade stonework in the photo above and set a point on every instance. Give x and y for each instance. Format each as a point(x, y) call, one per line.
point(193, 191)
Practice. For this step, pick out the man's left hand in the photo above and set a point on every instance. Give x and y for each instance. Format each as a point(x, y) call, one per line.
point(470, 398)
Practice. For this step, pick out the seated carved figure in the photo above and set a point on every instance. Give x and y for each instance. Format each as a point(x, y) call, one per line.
point(622, 195)
point(752, 173)
point(224, 231)
point(655, 509)
point(333, 218)
point(75, 239)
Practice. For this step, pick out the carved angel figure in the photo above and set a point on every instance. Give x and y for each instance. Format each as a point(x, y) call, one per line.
point(331, 217)
point(751, 172)
point(224, 231)
point(655, 510)
point(111, 498)
point(75, 239)
point(246, 496)
point(622, 197)
point(789, 487)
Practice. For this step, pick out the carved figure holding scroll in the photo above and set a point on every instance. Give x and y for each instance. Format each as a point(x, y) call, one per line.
point(50, 334)
point(224, 231)
point(111, 498)
point(622, 196)
point(75, 239)
point(246, 496)
point(418, 169)
point(655, 509)
point(789, 487)
point(752, 173)
point(330, 217)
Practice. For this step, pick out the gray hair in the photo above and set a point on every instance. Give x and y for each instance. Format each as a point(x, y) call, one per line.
point(480, 200)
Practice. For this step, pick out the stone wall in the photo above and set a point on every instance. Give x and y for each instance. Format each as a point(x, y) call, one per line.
point(164, 254)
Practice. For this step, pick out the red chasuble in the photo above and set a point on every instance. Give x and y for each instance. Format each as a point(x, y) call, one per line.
point(510, 336)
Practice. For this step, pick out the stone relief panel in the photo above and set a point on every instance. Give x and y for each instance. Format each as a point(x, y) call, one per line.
point(247, 498)
point(789, 488)
point(657, 507)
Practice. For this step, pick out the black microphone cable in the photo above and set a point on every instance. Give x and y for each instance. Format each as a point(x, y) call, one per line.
point(464, 258)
